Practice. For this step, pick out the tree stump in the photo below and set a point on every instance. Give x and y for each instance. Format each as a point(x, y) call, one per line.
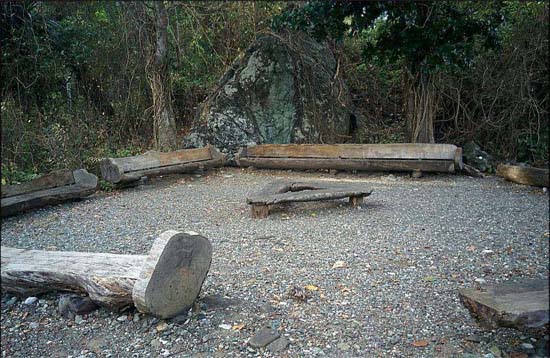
point(164, 283)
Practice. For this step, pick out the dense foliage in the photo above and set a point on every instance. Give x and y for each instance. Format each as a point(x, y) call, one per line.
point(74, 85)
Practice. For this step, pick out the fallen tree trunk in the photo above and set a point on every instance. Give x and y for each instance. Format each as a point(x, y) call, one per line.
point(153, 163)
point(518, 305)
point(369, 157)
point(524, 175)
point(50, 189)
point(164, 283)
point(51, 180)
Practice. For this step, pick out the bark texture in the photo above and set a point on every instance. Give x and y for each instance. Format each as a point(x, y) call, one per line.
point(375, 157)
point(164, 123)
point(164, 283)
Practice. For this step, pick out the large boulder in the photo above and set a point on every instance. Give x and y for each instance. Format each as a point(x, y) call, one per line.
point(283, 89)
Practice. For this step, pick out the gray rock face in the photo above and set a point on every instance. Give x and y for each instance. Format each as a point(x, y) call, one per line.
point(283, 89)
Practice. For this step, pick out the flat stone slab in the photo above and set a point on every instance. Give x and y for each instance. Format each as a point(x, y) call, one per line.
point(279, 192)
point(263, 337)
point(520, 305)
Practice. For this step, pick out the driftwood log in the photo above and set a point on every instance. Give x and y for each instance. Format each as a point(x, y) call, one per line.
point(518, 305)
point(368, 157)
point(290, 192)
point(524, 175)
point(153, 163)
point(52, 188)
point(164, 283)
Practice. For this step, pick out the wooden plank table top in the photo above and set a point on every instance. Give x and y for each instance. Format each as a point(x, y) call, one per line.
point(279, 192)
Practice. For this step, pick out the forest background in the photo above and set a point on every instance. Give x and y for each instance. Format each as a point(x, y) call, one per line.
point(76, 76)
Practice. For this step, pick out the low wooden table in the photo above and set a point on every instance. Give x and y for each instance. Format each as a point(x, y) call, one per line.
point(279, 192)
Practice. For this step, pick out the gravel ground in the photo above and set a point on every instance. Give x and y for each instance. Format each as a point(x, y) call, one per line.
point(386, 273)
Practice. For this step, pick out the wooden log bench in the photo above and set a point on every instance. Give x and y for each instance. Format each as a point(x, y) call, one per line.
point(280, 192)
point(53, 188)
point(524, 175)
point(521, 305)
point(153, 163)
point(164, 283)
point(417, 158)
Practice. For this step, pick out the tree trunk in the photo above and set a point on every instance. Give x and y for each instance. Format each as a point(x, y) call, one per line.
point(164, 124)
point(164, 283)
point(420, 108)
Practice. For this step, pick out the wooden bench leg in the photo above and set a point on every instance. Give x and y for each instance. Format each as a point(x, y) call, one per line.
point(355, 201)
point(416, 174)
point(260, 211)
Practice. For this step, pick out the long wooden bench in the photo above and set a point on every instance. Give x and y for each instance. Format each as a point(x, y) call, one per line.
point(446, 158)
point(53, 188)
point(153, 163)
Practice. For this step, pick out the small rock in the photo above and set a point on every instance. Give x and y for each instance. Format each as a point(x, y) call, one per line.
point(30, 300)
point(34, 325)
point(78, 319)
point(342, 346)
point(122, 318)
point(487, 252)
point(495, 351)
point(155, 343)
point(181, 319)
point(71, 305)
point(480, 280)
point(474, 338)
point(528, 347)
point(162, 326)
point(278, 345)
point(263, 337)
point(489, 355)
point(11, 301)
point(136, 318)
point(394, 340)
point(225, 326)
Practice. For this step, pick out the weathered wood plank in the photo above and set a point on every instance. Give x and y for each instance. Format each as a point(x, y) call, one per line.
point(442, 166)
point(51, 180)
point(521, 305)
point(307, 195)
point(355, 151)
point(122, 170)
point(524, 175)
point(164, 283)
point(84, 184)
point(284, 191)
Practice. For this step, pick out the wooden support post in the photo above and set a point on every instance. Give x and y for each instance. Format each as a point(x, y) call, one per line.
point(416, 174)
point(355, 201)
point(260, 211)
point(164, 283)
